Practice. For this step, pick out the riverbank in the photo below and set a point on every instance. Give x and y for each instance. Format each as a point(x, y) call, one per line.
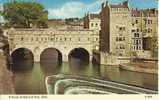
point(144, 67)
point(6, 78)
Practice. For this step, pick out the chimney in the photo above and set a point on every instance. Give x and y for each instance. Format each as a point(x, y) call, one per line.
point(125, 3)
point(103, 5)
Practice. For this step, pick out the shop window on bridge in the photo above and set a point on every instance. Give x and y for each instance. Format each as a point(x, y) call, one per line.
point(41, 39)
point(11, 39)
point(32, 39)
point(123, 28)
point(45, 38)
point(88, 39)
point(36, 38)
point(22, 38)
point(52, 39)
point(65, 39)
point(120, 28)
point(123, 38)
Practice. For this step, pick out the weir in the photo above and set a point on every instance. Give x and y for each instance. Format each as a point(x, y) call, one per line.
point(68, 84)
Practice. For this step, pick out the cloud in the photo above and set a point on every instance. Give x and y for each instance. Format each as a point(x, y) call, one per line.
point(78, 9)
point(70, 9)
point(74, 9)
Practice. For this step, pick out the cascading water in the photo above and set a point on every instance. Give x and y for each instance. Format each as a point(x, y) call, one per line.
point(67, 84)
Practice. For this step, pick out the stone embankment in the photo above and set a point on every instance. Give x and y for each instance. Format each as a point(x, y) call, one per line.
point(6, 77)
point(143, 67)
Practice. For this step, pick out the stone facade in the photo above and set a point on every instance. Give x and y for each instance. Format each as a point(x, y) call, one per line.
point(144, 28)
point(37, 40)
point(92, 21)
point(115, 37)
point(125, 31)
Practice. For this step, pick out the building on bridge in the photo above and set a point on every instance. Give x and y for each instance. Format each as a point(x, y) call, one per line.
point(92, 21)
point(64, 41)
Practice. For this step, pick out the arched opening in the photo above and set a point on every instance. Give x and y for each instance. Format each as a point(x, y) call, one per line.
point(22, 59)
point(78, 57)
point(50, 57)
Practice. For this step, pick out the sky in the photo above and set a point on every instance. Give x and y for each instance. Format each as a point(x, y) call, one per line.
point(77, 8)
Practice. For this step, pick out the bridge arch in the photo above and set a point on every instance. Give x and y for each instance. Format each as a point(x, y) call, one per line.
point(50, 56)
point(81, 54)
point(20, 56)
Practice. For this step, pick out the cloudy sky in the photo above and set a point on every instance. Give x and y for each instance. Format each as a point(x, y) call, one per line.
point(77, 8)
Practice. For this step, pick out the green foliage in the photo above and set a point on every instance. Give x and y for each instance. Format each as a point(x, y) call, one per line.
point(154, 46)
point(25, 14)
point(133, 54)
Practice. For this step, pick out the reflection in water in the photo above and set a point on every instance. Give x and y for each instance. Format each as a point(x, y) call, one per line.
point(33, 80)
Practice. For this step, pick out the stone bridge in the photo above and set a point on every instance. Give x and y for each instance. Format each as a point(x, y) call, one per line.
point(63, 40)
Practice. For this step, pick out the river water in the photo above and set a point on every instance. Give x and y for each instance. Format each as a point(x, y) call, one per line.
point(32, 81)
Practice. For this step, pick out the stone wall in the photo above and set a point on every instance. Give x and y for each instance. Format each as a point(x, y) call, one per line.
point(6, 77)
point(110, 59)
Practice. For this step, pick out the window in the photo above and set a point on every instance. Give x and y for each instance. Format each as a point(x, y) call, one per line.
point(22, 38)
point(32, 39)
point(120, 28)
point(136, 21)
point(88, 39)
point(52, 39)
point(92, 24)
point(149, 30)
point(137, 42)
point(96, 24)
point(136, 47)
point(70, 39)
point(79, 39)
point(137, 30)
point(120, 39)
point(149, 21)
point(117, 39)
point(123, 38)
point(96, 39)
point(136, 34)
point(65, 39)
point(123, 28)
point(132, 30)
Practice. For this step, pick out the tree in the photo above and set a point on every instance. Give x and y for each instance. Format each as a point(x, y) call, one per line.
point(25, 14)
point(154, 46)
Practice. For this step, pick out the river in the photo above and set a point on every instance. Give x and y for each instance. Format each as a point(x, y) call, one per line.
point(32, 81)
